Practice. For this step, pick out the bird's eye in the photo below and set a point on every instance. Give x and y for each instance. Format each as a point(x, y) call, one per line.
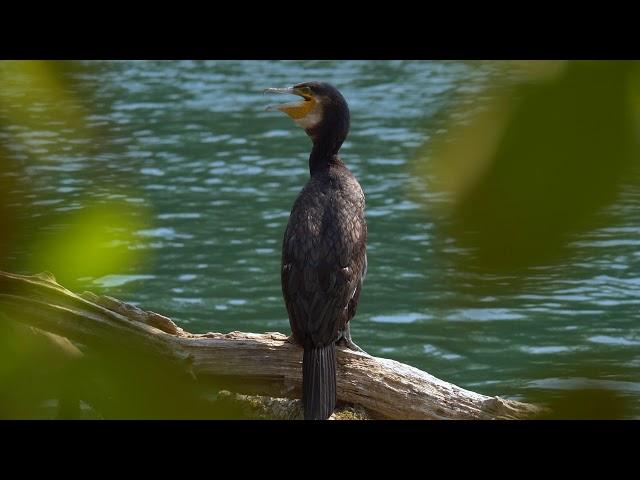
point(305, 91)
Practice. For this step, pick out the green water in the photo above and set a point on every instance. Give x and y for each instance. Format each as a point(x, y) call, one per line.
point(191, 143)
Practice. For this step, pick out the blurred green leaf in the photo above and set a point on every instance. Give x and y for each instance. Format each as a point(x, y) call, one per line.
point(539, 161)
point(589, 404)
point(90, 242)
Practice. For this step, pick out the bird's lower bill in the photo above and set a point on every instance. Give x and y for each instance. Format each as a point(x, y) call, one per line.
point(296, 110)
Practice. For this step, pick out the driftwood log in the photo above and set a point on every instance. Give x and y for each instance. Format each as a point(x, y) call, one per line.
point(245, 363)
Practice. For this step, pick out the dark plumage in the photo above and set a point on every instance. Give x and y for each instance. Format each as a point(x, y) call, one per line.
point(324, 248)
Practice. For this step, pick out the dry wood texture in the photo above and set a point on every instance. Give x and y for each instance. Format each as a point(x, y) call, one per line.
point(249, 363)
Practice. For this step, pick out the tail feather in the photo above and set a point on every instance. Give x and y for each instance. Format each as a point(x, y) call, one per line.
point(319, 382)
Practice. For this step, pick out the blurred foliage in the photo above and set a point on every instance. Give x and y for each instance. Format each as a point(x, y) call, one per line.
point(39, 94)
point(585, 403)
point(8, 205)
point(91, 242)
point(44, 378)
point(538, 161)
point(88, 237)
point(42, 375)
point(590, 390)
point(534, 161)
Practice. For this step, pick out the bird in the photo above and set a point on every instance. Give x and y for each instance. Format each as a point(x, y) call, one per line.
point(324, 258)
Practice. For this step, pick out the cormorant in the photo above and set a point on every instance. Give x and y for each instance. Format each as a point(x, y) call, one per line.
point(324, 257)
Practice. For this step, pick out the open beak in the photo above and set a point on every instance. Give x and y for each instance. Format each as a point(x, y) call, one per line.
point(291, 108)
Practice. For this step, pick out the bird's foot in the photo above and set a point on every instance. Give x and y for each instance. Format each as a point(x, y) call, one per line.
point(350, 344)
point(345, 340)
point(292, 340)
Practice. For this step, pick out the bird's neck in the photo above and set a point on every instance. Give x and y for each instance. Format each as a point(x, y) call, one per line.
point(322, 157)
point(326, 145)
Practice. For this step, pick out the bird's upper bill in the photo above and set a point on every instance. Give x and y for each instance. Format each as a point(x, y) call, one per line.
point(296, 110)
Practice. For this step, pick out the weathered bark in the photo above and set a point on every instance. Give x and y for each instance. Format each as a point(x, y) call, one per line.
point(250, 363)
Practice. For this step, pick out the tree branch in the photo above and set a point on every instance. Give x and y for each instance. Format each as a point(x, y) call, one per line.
point(246, 363)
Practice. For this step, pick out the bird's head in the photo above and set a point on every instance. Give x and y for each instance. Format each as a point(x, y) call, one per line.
point(322, 111)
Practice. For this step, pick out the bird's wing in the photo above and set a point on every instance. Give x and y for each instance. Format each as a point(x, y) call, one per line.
point(320, 276)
